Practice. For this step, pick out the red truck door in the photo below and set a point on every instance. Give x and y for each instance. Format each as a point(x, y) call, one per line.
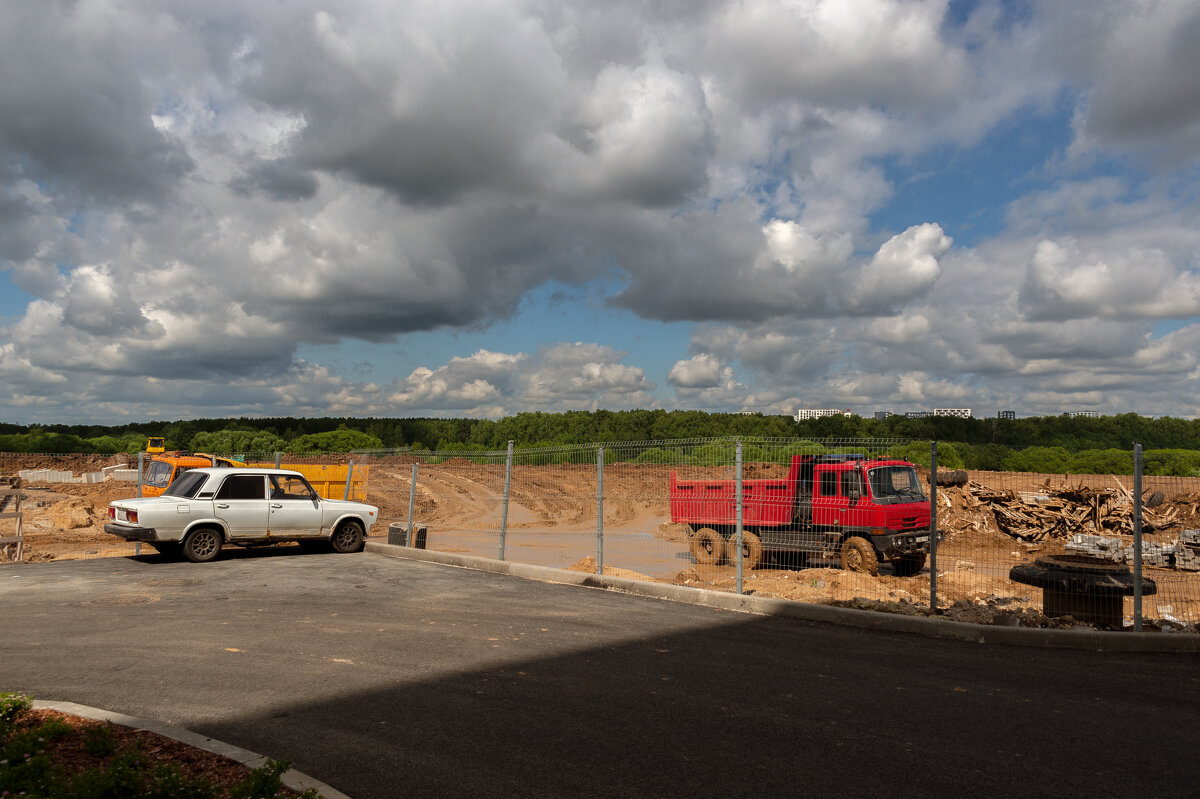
point(839, 498)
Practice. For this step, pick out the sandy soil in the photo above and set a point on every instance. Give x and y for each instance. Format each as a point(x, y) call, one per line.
point(554, 509)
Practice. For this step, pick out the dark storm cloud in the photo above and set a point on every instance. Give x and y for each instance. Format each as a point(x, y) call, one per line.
point(74, 112)
point(279, 179)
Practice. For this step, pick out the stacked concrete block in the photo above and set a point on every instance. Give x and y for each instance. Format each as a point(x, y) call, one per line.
point(1152, 554)
point(47, 476)
point(1097, 546)
point(130, 475)
point(1187, 551)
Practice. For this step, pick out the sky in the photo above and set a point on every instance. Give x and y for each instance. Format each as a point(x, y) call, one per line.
point(482, 207)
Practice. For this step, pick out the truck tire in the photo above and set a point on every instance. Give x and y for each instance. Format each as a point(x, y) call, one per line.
point(908, 565)
point(952, 477)
point(707, 546)
point(751, 550)
point(858, 555)
point(202, 544)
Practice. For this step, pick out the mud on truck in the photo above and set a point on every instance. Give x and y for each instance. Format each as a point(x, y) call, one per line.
point(849, 507)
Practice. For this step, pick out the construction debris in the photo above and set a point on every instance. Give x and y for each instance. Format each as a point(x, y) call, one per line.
point(1059, 512)
point(1183, 554)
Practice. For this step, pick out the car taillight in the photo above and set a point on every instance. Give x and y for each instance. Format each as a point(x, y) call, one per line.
point(112, 512)
point(131, 516)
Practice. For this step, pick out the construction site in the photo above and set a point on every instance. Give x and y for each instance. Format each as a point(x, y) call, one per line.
point(555, 516)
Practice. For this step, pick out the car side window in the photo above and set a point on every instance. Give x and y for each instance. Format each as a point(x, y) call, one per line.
point(286, 487)
point(243, 486)
point(829, 482)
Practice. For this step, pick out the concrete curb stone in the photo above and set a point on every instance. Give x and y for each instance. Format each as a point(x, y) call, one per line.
point(291, 778)
point(1088, 639)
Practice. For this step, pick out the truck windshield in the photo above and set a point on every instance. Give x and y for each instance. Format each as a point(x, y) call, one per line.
point(895, 484)
point(186, 485)
point(158, 474)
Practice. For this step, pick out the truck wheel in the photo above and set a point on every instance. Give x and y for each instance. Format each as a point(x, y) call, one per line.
point(908, 565)
point(858, 555)
point(348, 537)
point(751, 550)
point(708, 546)
point(202, 545)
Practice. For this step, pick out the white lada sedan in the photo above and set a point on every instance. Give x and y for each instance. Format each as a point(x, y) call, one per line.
point(203, 509)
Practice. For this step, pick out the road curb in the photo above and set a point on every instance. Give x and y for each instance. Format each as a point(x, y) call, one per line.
point(291, 778)
point(1088, 639)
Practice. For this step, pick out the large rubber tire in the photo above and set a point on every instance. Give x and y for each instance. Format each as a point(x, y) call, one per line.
point(348, 537)
point(202, 545)
point(858, 555)
point(908, 565)
point(751, 550)
point(952, 477)
point(707, 546)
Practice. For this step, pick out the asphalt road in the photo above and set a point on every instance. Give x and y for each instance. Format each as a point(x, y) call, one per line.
point(387, 678)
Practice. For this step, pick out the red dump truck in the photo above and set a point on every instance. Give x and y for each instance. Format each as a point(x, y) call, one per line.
point(852, 507)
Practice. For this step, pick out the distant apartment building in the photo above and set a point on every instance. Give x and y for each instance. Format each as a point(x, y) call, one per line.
point(882, 414)
point(917, 414)
point(1006, 415)
point(962, 413)
point(807, 413)
point(1085, 414)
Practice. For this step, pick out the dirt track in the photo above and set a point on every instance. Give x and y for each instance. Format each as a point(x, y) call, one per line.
point(552, 520)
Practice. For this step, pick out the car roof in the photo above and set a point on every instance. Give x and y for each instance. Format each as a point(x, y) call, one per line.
point(219, 471)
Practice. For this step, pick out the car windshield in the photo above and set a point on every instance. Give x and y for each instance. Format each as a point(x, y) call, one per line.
point(186, 485)
point(895, 483)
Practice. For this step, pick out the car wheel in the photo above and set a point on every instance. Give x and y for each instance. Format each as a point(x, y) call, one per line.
point(168, 548)
point(348, 537)
point(858, 555)
point(202, 545)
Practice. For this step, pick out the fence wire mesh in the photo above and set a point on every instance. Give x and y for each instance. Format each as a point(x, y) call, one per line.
point(835, 520)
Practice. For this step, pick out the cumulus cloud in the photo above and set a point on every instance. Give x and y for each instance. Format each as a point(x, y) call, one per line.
point(193, 194)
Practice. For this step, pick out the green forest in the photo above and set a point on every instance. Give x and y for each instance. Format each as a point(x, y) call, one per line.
point(1052, 444)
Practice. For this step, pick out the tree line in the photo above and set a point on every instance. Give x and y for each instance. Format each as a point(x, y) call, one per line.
point(1051, 444)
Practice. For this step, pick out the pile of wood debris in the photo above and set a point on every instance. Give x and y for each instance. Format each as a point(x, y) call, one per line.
point(1054, 512)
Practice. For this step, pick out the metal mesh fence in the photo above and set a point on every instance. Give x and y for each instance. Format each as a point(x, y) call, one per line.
point(843, 521)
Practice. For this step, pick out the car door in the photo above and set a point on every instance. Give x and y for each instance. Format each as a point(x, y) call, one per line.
point(241, 503)
point(295, 508)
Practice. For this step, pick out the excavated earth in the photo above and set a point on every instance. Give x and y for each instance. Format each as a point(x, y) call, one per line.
point(553, 510)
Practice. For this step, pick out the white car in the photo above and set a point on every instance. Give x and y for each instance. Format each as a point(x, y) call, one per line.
point(204, 509)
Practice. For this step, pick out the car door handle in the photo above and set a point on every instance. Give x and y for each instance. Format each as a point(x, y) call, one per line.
point(276, 505)
point(222, 505)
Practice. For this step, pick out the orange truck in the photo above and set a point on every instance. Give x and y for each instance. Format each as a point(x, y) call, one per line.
point(329, 480)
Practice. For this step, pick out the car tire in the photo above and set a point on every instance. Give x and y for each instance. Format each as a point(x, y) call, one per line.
point(348, 537)
point(168, 549)
point(858, 555)
point(202, 545)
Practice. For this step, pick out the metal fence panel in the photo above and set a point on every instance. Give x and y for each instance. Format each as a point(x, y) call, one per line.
point(675, 512)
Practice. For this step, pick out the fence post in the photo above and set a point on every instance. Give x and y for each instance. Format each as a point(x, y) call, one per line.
point(504, 510)
point(933, 534)
point(141, 460)
point(349, 477)
point(412, 498)
point(738, 499)
point(600, 511)
point(1137, 538)
point(278, 456)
